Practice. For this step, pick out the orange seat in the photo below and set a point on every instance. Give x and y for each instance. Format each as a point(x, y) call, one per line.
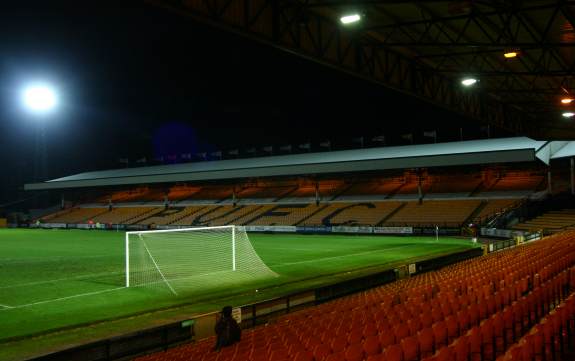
point(393, 353)
point(386, 339)
point(321, 352)
point(371, 346)
point(445, 354)
point(439, 334)
point(426, 342)
point(410, 348)
point(354, 353)
point(303, 356)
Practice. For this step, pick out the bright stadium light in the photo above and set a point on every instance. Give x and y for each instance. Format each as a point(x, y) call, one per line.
point(568, 114)
point(39, 98)
point(350, 19)
point(510, 54)
point(567, 100)
point(469, 81)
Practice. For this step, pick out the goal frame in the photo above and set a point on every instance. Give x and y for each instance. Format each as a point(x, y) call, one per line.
point(190, 229)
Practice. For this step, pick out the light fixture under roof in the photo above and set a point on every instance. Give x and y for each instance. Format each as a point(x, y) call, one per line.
point(567, 100)
point(510, 54)
point(568, 114)
point(469, 81)
point(350, 19)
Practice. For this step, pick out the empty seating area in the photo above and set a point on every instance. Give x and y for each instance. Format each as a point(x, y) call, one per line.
point(441, 213)
point(125, 215)
point(74, 215)
point(135, 195)
point(516, 304)
point(355, 214)
point(445, 213)
point(454, 184)
point(553, 221)
point(517, 182)
point(285, 215)
point(272, 192)
point(325, 189)
point(397, 185)
point(493, 207)
point(382, 187)
point(216, 193)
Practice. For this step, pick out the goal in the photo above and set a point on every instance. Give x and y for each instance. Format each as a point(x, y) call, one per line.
point(193, 259)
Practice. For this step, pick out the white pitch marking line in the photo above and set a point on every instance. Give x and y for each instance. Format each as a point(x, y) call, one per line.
point(24, 260)
point(5, 306)
point(64, 298)
point(82, 277)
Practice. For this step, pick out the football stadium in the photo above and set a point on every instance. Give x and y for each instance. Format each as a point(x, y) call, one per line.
point(398, 247)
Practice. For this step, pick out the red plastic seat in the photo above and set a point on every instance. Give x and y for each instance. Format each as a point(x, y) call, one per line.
point(355, 336)
point(321, 352)
point(475, 347)
point(378, 357)
point(452, 328)
point(338, 344)
point(338, 356)
point(303, 356)
point(371, 346)
point(354, 353)
point(386, 339)
point(410, 348)
point(426, 342)
point(439, 334)
point(393, 353)
point(487, 339)
point(401, 331)
point(461, 348)
point(445, 354)
point(498, 333)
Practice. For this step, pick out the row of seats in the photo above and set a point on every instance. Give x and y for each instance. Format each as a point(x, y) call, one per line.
point(474, 310)
point(553, 221)
point(553, 338)
point(330, 189)
point(442, 213)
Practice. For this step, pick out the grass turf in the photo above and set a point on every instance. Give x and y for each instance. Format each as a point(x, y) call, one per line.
point(53, 279)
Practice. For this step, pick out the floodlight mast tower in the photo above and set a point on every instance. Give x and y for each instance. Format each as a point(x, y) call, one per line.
point(40, 100)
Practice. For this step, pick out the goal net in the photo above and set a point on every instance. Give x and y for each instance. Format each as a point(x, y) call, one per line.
point(193, 259)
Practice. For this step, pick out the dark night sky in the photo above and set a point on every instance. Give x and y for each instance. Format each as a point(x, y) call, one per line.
point(140, 81)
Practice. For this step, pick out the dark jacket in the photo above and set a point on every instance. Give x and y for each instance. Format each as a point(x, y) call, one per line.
point(228, 331)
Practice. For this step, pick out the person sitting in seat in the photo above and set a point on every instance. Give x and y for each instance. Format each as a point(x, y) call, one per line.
point(227, 329)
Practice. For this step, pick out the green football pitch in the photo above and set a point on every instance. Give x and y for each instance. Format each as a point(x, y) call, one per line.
point(59, 279)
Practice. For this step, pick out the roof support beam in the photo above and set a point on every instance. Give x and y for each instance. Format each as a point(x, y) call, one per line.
point(282, 24)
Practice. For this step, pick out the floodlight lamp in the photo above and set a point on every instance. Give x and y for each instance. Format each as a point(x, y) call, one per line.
point(510, 54)
point(567, 100)
point(469, 81)
point(568, 114)
point(39, 98)
point(350, 19)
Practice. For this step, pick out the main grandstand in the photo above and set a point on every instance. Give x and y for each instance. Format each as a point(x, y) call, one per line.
point(463, 182)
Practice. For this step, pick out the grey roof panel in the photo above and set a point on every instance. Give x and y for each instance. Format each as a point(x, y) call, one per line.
point(500, 150)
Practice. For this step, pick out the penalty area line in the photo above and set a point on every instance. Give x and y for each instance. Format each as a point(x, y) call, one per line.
point(62, 298)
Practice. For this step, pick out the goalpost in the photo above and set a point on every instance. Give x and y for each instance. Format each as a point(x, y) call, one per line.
point(192, 259)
